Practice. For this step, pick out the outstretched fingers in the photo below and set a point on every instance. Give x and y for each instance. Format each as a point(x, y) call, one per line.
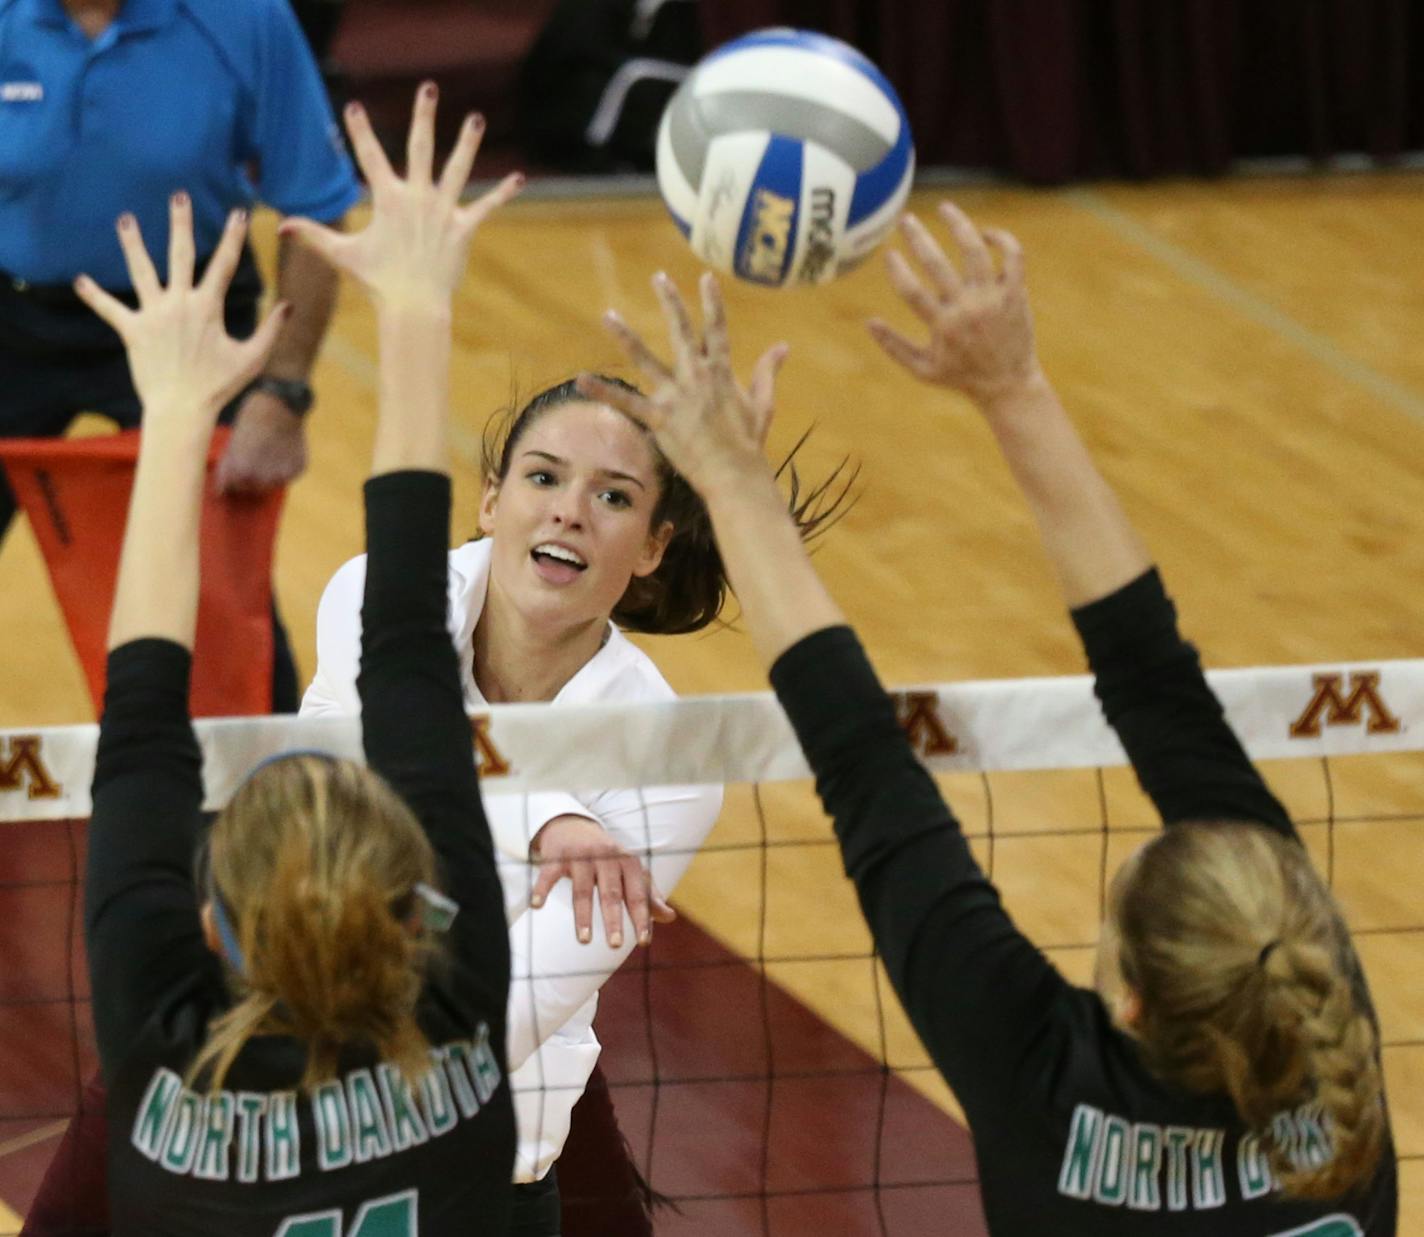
point(370, 158)
point(180, 241)
point(681, 333)
point(978, 265)
point(225, 257)
point(142, 275)
point(456, 173)
point(109, 308)
point(420, 141)
point(910, 355)
point(330, 245)
point(904, 280)
point(630, 403)
point(946, 280)
point(636, 350)
point(486, 204)
point(1011, 257)
point(715, 342)
point(761, 393)
point(257, 347)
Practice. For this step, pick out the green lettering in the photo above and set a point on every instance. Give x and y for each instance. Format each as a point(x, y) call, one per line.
point(1080, 1156)
point(284, 1137)
point(1177, 1139)
point(333, 1126)
point(407, 1128)
point(368, 1122)
point(217, 1138)
point(1144, 1194)
point(155, 1111)
point(1110, 1187)
point(250, 1107)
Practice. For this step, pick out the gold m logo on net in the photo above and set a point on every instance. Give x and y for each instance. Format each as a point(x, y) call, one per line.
point(489, 760)
point(1341, 700)
point(22, 767)
point(918, 715)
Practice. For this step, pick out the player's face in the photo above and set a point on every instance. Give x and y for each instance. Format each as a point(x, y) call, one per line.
point(571, 520)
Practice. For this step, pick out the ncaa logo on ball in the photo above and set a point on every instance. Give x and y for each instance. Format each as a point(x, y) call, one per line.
point(785, 157)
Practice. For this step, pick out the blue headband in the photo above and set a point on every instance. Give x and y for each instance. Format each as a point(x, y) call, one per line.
point(225, 933)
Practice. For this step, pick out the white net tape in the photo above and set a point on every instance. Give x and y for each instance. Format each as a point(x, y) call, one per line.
point(985, 726)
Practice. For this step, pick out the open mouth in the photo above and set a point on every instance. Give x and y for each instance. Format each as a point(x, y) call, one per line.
point(557, 563)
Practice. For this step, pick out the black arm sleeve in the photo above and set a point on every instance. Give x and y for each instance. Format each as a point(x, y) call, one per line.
point(416, 732)
point(980, 996)
point(140, 910)
point(1153, 692)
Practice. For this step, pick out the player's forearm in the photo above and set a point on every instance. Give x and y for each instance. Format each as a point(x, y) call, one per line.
point(1092, 546)
point(413, 427)
point(309, 284)
point(779, 592)
point(157, 590)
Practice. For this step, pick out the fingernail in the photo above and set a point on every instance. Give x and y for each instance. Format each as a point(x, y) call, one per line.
point(585, 935)
point(616, 939)
point(537, 901)
point(429, 90)
point(477, 120)
point(126, 220)
point(180, 198)
point(353, 109)
point(519, 179)
point(645, 937)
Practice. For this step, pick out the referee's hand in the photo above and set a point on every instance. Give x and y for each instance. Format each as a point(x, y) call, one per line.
point(581, 849)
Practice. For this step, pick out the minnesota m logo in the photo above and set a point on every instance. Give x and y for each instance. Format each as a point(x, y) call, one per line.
point(918, 714)
point(489, 760)
point(1337, 708)
point(22, 763)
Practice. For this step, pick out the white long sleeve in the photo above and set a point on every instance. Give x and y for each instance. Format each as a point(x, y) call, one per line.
point(553, 975)
point(552, 1049)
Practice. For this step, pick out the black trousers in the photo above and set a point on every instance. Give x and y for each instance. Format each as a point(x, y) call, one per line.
point(57, 360)
point(537, 1208)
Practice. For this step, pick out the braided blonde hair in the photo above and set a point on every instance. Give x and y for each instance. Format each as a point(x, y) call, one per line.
point(1249, 986)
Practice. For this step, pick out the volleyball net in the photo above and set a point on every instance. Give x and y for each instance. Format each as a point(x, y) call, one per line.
point(762, 1070)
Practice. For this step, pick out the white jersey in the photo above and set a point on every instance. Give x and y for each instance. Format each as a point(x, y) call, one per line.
point(554, 989)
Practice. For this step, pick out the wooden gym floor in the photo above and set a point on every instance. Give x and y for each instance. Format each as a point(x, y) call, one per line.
point(1243, 357)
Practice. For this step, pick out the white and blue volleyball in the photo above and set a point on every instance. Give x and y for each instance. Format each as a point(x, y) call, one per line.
point(785, 157)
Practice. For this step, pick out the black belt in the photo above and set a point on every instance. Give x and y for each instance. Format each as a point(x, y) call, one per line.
point(50, 319)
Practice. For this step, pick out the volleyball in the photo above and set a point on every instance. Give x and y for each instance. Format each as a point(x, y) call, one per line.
point(785, 157)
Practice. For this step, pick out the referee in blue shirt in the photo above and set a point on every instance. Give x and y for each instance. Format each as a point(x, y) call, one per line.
point(113, 105)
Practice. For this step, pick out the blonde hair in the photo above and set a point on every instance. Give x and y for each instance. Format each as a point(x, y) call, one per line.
point(1249, 986)
point(314, 862)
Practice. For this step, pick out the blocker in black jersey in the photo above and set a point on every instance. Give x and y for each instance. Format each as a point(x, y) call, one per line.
point(365, 1155)
point(1073, 1134)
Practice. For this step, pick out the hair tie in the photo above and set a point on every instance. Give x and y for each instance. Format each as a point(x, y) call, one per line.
point(1266, 951)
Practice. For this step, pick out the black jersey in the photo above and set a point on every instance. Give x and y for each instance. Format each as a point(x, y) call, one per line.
point(1073, 1134)
point(365, 1155)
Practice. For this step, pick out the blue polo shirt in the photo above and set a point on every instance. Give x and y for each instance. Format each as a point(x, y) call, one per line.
point(218, 97)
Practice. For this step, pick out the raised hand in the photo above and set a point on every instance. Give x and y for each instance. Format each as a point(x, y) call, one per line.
point(981, 330)
point(707, 424)
point(581, 849)
point(414, 250)
point(181, 357)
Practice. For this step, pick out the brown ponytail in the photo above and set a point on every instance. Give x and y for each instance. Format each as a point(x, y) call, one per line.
point(1249, 986)
point(315, 862)
point(689, 588)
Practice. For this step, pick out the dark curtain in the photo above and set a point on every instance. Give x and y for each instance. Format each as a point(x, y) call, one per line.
point(1050, 90)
